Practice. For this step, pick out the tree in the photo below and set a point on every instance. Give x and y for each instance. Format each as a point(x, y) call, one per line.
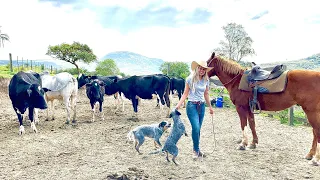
point(3, 37)
point(238, 43)
point(107, 67)
point(72, 53)
point(176, 69)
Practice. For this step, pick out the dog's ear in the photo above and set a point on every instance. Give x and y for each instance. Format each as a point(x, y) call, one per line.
point(162, 124)
point(177, 112)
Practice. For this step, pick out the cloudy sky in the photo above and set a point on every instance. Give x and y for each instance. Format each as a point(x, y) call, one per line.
point(172, 30)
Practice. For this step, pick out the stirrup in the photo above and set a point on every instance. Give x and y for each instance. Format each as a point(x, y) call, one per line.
point(253, 106)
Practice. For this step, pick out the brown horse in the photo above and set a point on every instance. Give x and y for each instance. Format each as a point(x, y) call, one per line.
point(303, 88)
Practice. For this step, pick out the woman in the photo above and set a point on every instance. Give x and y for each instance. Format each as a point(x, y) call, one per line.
point(197, 91)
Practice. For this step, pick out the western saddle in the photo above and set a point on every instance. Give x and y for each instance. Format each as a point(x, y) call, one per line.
point(258, 74)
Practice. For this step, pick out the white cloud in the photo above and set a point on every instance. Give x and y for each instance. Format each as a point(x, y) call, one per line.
point(32, 26)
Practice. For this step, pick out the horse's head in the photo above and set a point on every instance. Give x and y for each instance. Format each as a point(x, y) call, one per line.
point(210, 64)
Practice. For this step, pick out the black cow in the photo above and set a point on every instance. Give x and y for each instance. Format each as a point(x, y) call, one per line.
point(178, 84)
point(84, 79)
point(25, 91)
point(143, 87)
point(95, 91)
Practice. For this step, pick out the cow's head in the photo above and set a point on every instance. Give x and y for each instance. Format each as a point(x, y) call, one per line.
point(36, 95)
point(112, 87)
point(82, 80)
point(95, 88)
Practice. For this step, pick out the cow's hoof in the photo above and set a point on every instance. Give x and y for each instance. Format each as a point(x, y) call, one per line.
point(21, 130)
point(67, 122)
point(74, 121)
point(241, 147)
point(252, 146)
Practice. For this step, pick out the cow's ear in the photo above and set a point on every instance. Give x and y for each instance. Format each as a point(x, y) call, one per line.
point(46, 89)
point(29, 91)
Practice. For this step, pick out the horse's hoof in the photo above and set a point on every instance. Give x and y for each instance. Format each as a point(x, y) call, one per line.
point(252, 146)
point(314, 162)
point(241, 147)
point(309, 157)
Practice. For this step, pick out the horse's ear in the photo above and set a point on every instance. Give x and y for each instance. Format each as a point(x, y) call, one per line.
point(212, 55)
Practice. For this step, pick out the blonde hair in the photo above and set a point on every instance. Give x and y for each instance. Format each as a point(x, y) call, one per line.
point(195, 78)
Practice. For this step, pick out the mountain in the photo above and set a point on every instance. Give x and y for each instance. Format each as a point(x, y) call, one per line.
point(134, 64)
point(311, 62)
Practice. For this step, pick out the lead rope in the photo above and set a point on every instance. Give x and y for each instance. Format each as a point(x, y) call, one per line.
point(214, 136)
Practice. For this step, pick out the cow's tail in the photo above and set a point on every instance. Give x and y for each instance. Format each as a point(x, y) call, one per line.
point(167, 94)
point(75, 83)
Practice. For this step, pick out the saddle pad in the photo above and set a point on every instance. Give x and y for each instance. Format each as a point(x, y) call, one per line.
point(266, 86)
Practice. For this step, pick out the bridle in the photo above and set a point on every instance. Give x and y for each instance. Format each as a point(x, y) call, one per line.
point(208, 63)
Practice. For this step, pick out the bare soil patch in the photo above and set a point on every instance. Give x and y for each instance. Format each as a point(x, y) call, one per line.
point(99, 150)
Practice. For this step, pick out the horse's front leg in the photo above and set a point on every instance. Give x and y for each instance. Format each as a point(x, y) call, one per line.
point(243, 121)
point(252, 125)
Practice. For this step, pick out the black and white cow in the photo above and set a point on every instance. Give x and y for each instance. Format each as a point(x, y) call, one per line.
point(25, 91)
point(143, 87)
point(63, 87)
point(83, 79)
point(95, 92)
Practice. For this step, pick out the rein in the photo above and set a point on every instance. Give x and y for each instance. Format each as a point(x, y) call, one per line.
point(231, 79)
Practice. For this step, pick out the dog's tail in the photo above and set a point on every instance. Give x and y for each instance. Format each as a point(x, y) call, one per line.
point(157, 151)
point(130, 136)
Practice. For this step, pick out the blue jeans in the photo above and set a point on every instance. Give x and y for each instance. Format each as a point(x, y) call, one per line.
point(196, 118)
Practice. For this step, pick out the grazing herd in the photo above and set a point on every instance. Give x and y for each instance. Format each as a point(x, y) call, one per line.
point(32, 91)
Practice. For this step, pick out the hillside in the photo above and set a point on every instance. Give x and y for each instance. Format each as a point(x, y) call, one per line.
point(311, 62)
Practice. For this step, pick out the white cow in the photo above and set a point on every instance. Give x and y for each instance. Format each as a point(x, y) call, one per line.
point(63, 87)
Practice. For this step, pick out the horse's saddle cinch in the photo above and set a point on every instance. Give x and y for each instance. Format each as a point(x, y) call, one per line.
point(259, 74)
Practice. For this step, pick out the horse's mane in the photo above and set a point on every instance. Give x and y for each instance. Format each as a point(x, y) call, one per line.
point(229, 66)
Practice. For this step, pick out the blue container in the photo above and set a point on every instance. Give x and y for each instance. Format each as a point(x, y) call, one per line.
point(219, 102)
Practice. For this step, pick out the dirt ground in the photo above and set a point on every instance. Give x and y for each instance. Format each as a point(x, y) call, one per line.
point(99, 150)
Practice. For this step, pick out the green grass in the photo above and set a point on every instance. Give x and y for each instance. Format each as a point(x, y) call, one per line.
point(6, 73)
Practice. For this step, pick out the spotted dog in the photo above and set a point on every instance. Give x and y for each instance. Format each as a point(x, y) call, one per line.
point(154, 131)
point(178, 129)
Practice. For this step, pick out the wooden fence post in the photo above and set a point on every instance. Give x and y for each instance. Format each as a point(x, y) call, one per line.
point(10, 58)
point(18, 63)
point(290, 116)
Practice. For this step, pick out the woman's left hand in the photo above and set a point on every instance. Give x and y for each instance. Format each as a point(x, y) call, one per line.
point(211, 110)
